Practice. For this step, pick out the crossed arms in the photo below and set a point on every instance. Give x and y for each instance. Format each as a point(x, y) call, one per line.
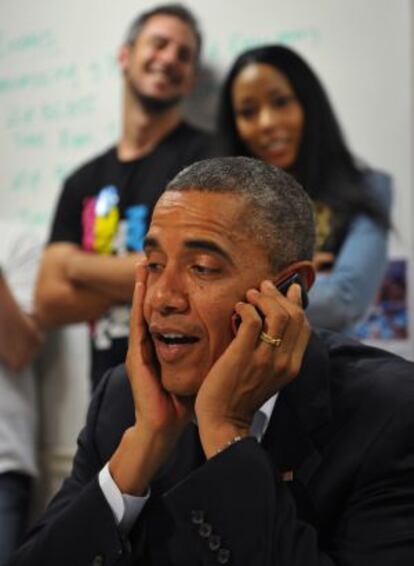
point(77, 286)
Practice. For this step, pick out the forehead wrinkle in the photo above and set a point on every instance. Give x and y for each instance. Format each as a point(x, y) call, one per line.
point(214, 227)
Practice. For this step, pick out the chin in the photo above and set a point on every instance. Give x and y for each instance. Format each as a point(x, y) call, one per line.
point(155, 103)
point(182, 385)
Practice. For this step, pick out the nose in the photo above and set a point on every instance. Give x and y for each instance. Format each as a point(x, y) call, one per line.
point(168, 294)
point(169, 55)
point(269, 118)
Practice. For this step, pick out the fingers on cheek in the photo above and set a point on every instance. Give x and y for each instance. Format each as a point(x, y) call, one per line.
point(141, 270)
point(129, 363)
point(251, 320)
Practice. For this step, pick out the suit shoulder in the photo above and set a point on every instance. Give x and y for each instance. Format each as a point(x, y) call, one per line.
point(116, 411)
point(363, 370)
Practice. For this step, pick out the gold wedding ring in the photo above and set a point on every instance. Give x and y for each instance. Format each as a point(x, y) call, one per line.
point(275, 342)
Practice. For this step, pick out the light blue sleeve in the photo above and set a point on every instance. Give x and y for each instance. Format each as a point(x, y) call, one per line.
point(340, 298)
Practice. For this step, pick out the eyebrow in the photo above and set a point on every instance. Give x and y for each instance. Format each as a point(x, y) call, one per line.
point(181, 46)
point(193, 244)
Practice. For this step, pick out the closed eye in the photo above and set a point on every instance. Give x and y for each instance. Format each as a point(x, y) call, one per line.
point(205, 270)
point(246, 112)
point(283, 101)
point(154, 267)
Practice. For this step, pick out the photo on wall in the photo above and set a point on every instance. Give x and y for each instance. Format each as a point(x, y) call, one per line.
point(387, 319)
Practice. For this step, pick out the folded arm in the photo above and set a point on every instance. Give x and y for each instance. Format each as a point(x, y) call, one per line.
point(341, 297)
point(75, 286)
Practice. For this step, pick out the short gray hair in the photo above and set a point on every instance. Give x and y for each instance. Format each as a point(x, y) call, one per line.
point(177, 10)
point(279, 214)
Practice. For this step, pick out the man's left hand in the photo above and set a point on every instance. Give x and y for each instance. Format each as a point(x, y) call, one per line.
point(251, 369)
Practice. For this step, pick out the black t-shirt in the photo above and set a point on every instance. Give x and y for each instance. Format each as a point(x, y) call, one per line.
point(105, 207)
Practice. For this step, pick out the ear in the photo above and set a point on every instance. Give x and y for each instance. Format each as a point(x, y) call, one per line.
point(304, 268)
point(123, 57)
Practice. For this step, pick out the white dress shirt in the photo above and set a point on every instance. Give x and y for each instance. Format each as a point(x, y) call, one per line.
point(127, 508)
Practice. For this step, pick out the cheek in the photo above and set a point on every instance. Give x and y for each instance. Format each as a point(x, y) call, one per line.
point(218, 325)
point(299, 123)
point(246, 131)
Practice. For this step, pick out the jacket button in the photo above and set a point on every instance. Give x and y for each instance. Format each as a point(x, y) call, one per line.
point(98, 560)
point(197, 517)
point(223, 556)
point(214, 542)
point(205, 530)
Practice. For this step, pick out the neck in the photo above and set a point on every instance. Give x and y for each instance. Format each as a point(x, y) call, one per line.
point(143, 130)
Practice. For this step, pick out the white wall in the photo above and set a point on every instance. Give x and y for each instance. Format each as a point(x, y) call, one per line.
point(60, 98)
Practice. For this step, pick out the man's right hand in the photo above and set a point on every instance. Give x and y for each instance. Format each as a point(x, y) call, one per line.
point(160, 416)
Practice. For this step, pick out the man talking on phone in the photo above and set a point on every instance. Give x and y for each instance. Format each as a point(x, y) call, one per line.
point(235, 434)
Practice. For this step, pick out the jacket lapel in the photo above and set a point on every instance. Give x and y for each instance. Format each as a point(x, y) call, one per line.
point(153, 534)
point(298, 427)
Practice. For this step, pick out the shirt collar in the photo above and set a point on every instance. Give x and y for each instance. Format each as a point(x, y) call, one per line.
point(261, 418)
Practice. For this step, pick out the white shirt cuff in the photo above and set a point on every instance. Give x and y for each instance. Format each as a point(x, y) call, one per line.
point(126, 508)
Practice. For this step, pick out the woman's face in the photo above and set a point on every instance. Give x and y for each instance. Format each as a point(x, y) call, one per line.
point(268, 116)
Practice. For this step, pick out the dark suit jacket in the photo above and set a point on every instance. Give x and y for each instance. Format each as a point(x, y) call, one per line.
point(332, 482)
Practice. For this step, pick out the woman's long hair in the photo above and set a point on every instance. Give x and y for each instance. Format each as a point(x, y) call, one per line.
point(324, 165)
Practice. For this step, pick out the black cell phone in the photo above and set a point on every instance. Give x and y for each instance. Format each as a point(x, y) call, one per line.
point(283, 287)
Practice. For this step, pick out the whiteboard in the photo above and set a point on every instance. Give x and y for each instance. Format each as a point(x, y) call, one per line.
point(60, 87)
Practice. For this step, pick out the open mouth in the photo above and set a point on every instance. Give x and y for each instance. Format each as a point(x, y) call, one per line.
point(277, 145)
point(172, 339)
point(167, 75)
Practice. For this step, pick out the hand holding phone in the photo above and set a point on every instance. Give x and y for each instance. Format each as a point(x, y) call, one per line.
point(252, 369)
point(283, 287)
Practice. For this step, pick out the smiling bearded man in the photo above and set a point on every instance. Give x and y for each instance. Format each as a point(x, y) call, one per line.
point(87, 271)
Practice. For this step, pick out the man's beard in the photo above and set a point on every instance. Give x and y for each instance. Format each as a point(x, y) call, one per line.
point(152, 104)
point(156, 105)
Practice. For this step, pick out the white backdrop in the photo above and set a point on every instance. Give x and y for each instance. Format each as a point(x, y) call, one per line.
point(60, 104)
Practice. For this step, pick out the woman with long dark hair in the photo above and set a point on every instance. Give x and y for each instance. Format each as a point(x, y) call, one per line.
point(274, 107)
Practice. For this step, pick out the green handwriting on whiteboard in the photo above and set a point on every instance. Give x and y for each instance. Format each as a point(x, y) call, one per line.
point(26, 181)
point(30, 139)
point(39, 79)
point(69, 139)
point(32, 217)
point(66, 75)
point(30, 180)
point(52, 111)
point(30, 42)
point(239, 41)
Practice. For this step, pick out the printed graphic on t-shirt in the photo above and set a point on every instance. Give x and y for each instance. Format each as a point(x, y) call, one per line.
point(105, 230)
point(323, 217)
